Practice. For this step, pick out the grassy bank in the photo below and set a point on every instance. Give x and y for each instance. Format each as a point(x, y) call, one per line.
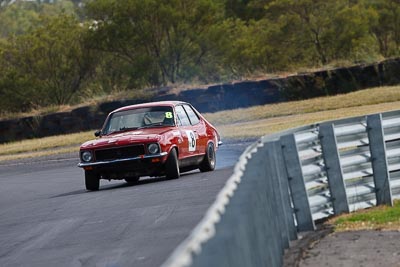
point(376, 218)
point(43, 146)
point(240, 123)
point(267, 126)
point(366, 97)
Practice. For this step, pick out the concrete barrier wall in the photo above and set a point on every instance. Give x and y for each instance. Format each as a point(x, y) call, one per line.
point(216, 98)
point(239, 229)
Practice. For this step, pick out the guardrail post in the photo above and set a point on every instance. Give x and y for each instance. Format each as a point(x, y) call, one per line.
point(278, 175)
point(297, 186)
point(380, 168)
point(333, 168)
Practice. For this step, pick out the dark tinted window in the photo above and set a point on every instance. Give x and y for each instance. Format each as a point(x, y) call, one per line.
point(183, 119)
point(194, 119)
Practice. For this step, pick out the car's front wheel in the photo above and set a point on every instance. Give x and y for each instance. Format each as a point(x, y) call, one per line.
point(209, 161)
point(172, 165)
point(92, 181)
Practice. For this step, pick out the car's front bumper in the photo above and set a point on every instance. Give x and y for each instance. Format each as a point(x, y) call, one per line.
point(137, 166)
point(116, 161)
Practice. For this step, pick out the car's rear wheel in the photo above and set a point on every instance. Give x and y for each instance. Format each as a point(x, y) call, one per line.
point(209, 161)
point(92, 181)
point(172, 165)
point(132, 180)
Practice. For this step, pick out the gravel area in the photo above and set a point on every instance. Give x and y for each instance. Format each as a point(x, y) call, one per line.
point(367, 248)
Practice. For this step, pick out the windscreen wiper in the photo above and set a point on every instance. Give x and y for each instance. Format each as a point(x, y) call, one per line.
point(128, 128)
point(157, 124)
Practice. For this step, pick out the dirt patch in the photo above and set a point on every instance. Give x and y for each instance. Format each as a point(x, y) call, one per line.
point(306, 240)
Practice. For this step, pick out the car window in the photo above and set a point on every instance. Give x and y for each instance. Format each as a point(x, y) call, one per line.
point(183, 119)
point(140, 118)
point(194, 119)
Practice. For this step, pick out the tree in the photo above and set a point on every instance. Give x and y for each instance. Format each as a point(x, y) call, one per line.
point(245, 10)
point(17, 18)
point(50, 64)
point(350, 34)
point(20, 17)
point(161, 37)
point(323, 30)
point(387, 28)
point(251, 47)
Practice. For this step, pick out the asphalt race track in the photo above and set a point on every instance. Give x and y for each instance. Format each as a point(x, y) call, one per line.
point(47, 218)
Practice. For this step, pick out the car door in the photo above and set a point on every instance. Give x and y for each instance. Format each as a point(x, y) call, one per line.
point(198, 128)
point(188, 146)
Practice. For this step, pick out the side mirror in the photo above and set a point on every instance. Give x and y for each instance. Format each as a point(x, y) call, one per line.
point(97, 133)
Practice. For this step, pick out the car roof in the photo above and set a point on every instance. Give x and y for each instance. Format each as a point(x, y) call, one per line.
point(150, 104)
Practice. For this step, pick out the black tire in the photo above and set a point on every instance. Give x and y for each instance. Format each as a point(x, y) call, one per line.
point(92, 181)
point(132, 180)
point(209, 161)
point(172, 165)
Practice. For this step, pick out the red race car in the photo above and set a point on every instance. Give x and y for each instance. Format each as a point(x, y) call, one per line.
point(152, 139)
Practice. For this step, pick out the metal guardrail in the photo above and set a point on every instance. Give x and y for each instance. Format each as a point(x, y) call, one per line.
point(285, 182)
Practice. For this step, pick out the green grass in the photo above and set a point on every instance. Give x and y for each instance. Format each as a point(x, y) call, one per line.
point(254, 128)
point(40, 144)
point(45, 146)
point(365, 97)
point(376, 218)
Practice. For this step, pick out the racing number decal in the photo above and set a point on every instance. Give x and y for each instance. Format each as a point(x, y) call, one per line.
point(168, 115)
point(191, 140)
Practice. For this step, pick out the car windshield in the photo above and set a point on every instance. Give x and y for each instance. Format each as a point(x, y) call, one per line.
point(139, 118)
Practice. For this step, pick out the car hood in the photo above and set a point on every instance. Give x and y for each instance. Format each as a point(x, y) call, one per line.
point(127, 138)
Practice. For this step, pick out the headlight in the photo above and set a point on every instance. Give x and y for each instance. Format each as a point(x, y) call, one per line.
point(153, 148)
point(86, 156)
